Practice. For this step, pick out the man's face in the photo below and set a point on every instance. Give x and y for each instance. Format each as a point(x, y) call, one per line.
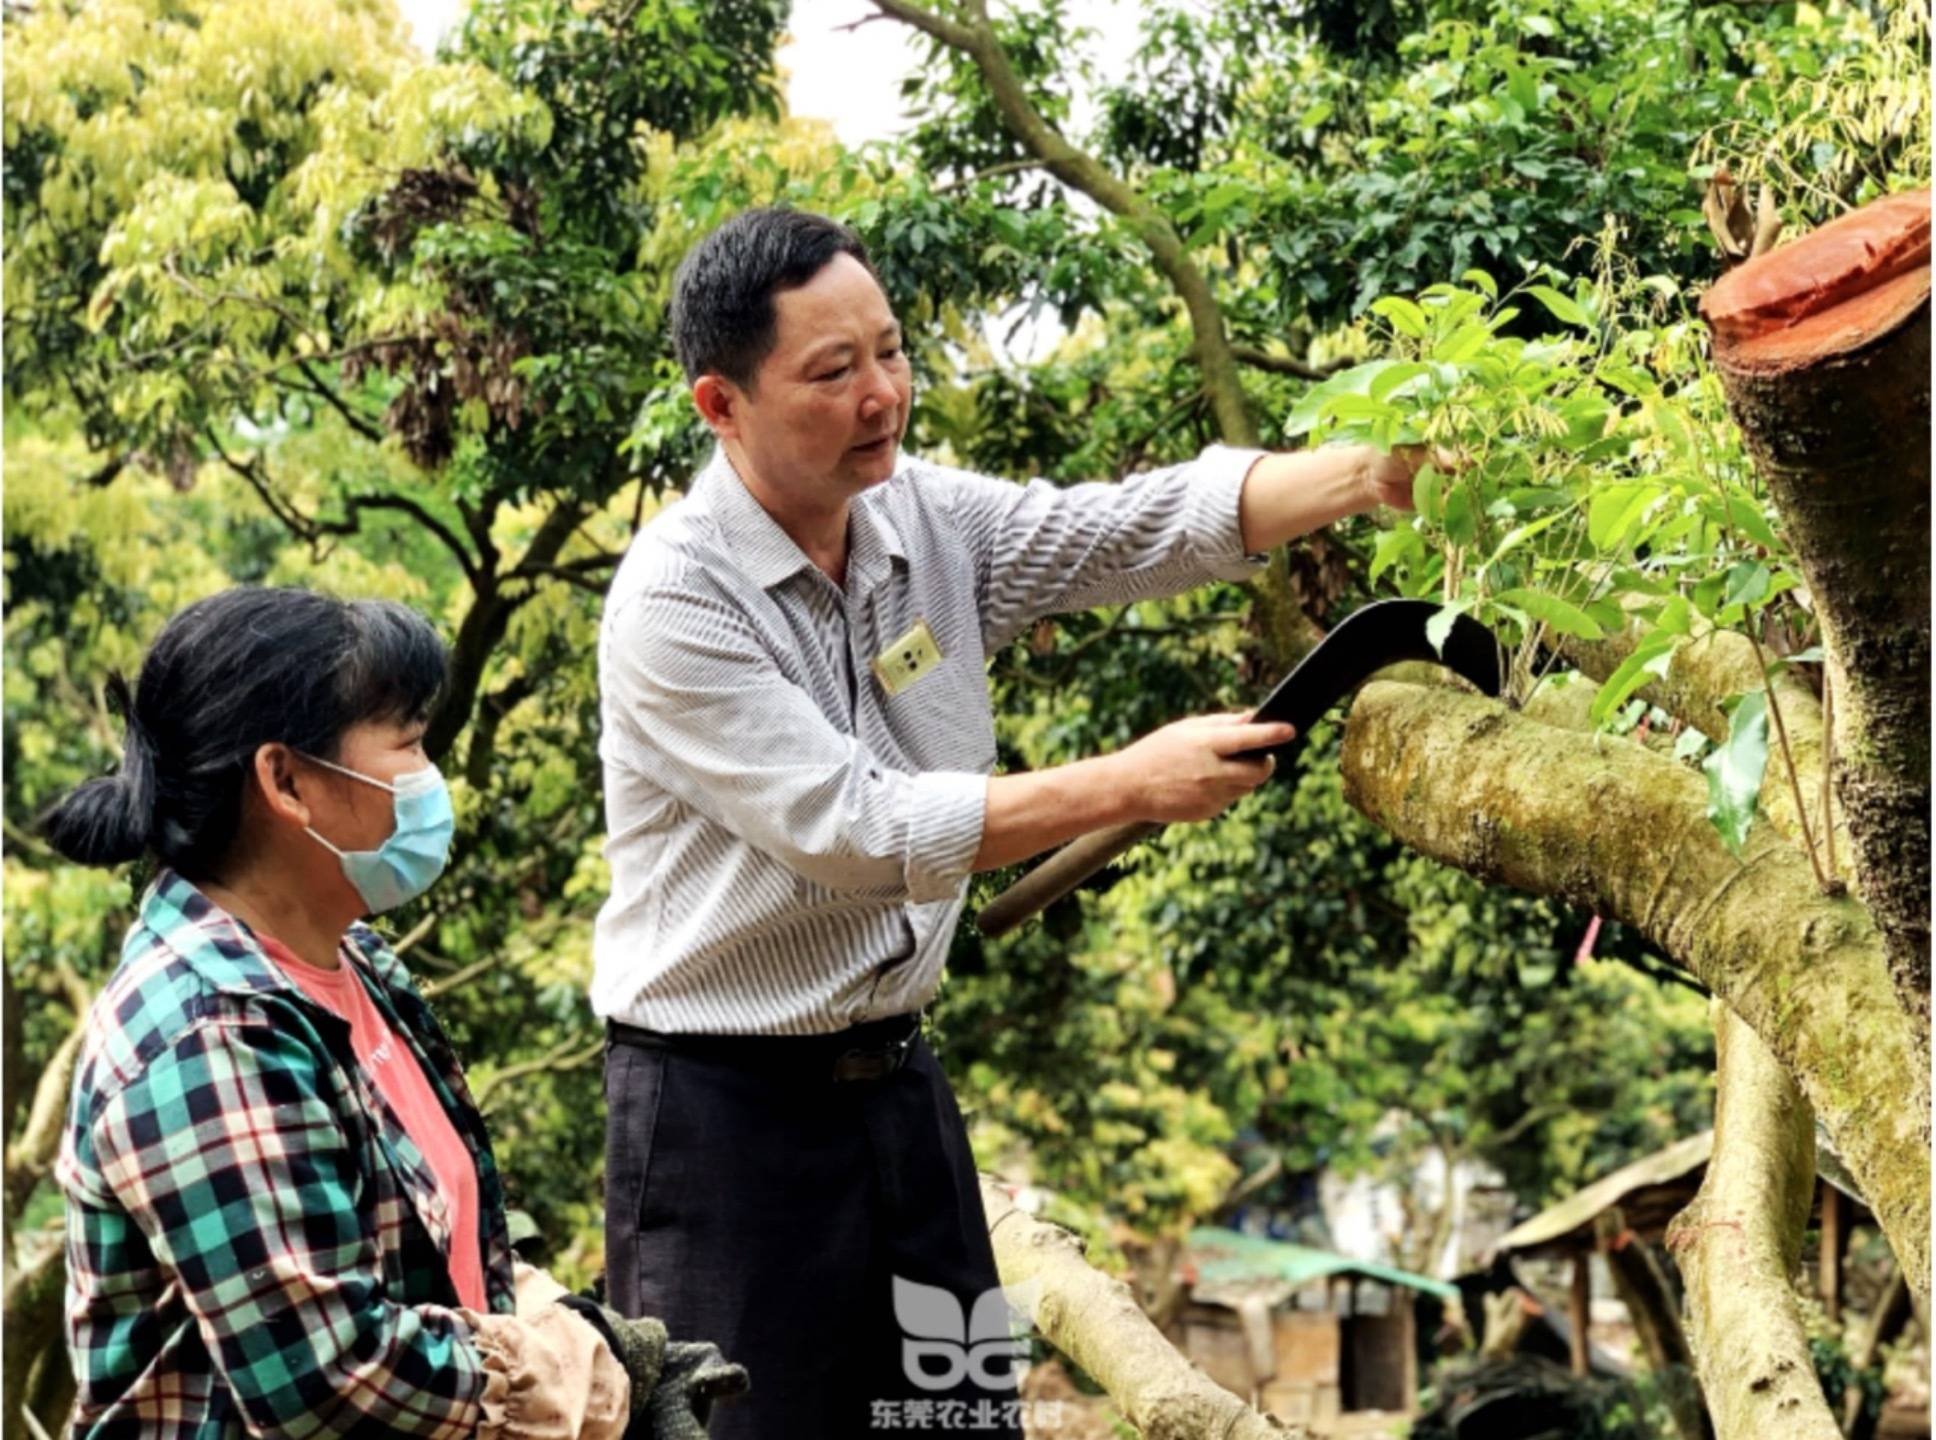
point(830, 403)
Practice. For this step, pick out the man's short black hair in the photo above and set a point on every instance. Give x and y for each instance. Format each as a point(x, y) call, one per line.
point(722, 298)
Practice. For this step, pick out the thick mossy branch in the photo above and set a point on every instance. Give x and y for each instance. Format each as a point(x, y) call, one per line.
point(1737, 1245)
point(1096, 1322)
point(1604, 824)
point(1709, 670)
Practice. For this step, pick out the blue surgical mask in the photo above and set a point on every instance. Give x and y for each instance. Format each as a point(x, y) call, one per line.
point(409, 862)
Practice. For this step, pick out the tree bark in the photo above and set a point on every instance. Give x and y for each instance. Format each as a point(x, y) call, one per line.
point(1096, 1322)
point(1607, 825)
point(1739, 1242)
point(1823, 346)
point(30, 1305)
point(30, 1325)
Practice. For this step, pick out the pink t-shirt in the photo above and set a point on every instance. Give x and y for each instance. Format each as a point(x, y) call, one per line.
point(392, 1066)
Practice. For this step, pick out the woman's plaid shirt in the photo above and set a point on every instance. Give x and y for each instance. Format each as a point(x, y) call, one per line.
point(254, 1245)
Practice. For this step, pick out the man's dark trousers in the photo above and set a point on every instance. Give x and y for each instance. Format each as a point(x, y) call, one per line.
point(753, 1200)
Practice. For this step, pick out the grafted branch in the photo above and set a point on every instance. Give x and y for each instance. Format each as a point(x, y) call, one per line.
point(1737, 1245)
point(1607, 825)
point(1096, 1322)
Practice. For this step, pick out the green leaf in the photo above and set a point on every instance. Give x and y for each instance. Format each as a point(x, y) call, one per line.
point(1462, 344)
point(1401, 544)
point(1484, 281)
point(1615, 510)
point(1650, 659)
point(1357, 407)
point(1523, 86)
point(1749, 520)
point(1440, 625)
point(1309, 409)
point(1748, 583)
point(1523, 533)
point(1562, 615)
point(1563, 307)
point(1315, 116)
point(1691, 743)
point(1397, 378)
point(1427, 486)
point(1405, 317)
point(1734, 771)
point(1586, 418)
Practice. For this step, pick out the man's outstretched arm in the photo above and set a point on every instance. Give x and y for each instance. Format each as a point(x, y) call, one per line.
point(1291, 493)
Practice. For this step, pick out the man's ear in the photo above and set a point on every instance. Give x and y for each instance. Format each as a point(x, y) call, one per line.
point(718, 402)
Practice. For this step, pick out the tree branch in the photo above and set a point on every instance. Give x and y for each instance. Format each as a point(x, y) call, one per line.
point(357, 503)
point(1740, 1239)
point(561, 1057)
point(471, 971)
point(1283, 364)
point(1096, 1322)
point(960, 182)
point(335, 402)
point(1605, 824)
point(31, 1153)
point(1287, 632)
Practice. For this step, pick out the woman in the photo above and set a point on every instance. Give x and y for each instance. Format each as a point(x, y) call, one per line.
point(283, 1213)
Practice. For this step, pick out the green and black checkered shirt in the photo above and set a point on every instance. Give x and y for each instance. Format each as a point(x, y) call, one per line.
point(254, 1245)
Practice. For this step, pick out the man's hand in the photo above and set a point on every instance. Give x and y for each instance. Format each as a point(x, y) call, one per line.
point(1387, 479)
point(1190, 770)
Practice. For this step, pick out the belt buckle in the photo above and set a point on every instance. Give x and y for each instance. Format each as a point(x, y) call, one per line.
point(859, 1064)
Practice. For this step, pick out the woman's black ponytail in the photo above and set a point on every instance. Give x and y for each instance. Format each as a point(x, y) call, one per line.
point(108, 821)
point(229, 674)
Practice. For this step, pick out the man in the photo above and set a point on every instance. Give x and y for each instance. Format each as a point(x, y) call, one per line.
point(798, 745)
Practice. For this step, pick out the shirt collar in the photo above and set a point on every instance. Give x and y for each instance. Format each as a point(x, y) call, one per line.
point(769, 555)
point(224, 951)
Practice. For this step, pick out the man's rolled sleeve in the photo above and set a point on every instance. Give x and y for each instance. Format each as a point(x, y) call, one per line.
point(1212, 512)
point(1043, 549)
point(945, 814)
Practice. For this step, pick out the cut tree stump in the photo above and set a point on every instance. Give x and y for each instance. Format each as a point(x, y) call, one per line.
point(1823, 346)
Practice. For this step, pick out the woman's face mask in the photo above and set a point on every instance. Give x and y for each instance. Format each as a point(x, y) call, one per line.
point(409, 862)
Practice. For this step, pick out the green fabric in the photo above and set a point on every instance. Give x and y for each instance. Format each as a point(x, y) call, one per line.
point(1227, 1256)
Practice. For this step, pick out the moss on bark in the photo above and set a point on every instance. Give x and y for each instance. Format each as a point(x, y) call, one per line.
point(1605, 824)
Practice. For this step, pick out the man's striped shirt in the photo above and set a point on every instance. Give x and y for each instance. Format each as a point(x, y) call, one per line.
point(790, 844)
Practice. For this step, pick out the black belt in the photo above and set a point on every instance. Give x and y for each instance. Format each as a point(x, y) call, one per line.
point(869, 1051)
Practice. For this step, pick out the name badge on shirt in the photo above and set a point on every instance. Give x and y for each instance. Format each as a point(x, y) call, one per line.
point(907, 659)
